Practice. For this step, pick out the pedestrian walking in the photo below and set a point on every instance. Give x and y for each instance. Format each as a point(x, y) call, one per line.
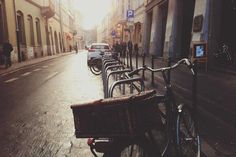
point(136, 48)
point(117, 50)
point(124, 47)
point(130, 46)
point(7, 49)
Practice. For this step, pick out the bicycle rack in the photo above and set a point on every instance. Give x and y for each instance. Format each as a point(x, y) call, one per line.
point(115, 73)
point(129, 80)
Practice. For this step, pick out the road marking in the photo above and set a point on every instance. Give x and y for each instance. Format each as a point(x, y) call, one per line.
point(10, 72)
point(26, 74)
point(11, 80)
point(51, 76)
point(37, 69)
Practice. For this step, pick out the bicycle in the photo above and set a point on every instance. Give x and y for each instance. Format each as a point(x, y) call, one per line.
point(223, 56)
point(96, 63)
point(179, 122)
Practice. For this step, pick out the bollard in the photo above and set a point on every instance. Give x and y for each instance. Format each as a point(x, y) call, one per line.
point(136, 60)
point(127, 54)
point(168, 72)
point(124, 57)
point(136, 54)
point(144, 56)
point(194, 87)
point(153, 58)
point(131, 88)
point(130, 59)
point(123, 92)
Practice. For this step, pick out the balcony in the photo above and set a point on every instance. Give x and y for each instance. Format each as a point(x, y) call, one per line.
point(48, 9)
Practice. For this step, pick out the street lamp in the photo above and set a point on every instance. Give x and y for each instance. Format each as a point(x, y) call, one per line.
point(17, 34)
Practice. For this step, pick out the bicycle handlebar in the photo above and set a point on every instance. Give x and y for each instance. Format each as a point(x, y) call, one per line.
point(182, 61)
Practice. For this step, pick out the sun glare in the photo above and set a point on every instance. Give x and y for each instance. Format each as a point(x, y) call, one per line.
point(92, 11)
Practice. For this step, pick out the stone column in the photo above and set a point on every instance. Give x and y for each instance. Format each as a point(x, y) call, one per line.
point(146, 32)
point(174, 25)
point(156, 40)
point(154, 33)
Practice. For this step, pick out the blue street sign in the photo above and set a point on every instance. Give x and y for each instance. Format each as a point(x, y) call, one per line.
point(130, 14)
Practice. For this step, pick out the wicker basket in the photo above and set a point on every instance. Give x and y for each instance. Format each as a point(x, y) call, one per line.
point(117, 117)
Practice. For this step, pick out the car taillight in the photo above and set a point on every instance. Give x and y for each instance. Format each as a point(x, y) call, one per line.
point(90, 50)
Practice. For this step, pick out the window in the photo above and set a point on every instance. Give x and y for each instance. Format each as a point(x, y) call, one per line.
point(21, 26)
point(38, 31)
point(31, 29)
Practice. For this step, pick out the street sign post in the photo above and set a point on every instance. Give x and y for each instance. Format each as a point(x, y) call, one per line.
point(130, 15)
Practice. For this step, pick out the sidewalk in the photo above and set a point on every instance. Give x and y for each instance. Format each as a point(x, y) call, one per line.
point(17, 65)
point(216, 98)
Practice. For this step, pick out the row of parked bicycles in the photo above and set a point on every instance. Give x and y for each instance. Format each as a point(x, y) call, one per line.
point(139, 122)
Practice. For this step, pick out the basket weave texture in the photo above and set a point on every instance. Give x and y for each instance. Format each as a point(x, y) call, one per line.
point(117, 117)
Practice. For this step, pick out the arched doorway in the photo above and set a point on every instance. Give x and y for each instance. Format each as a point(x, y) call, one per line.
point(56, 42)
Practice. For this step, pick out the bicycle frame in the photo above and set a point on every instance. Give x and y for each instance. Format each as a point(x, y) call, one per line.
point(174, 111)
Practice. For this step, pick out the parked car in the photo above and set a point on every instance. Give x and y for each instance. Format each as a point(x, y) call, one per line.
point(97, 50)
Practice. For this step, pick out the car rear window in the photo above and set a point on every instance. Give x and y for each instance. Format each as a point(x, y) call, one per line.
point(99, 47)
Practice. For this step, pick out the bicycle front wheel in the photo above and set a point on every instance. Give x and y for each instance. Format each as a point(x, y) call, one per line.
point(188, 139)
point(96, 67)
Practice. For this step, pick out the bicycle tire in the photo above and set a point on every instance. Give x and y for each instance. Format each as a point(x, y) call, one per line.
point(96, 67)
point(188, 139)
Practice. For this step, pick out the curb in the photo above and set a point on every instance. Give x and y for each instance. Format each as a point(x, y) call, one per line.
point(34, 62)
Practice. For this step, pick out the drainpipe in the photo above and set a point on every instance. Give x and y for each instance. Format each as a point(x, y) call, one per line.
point(61, 26)
point(49, 52)
point(17, 33)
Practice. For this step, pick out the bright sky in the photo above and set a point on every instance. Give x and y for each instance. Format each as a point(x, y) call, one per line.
point(92, 11)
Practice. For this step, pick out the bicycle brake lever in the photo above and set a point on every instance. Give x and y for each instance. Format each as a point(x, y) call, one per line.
point(190, 65)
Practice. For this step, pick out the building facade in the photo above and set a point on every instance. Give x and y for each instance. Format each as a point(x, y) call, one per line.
point(7, 26)
point(138, 22)
point(79, 34)
point(36, 28)
point(171, 27)
point(117, 28)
